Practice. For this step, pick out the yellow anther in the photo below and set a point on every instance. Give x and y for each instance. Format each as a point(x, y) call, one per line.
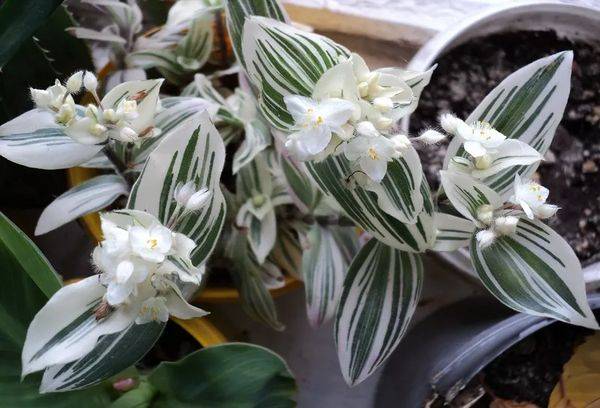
point(373, 154)
point(152, 243)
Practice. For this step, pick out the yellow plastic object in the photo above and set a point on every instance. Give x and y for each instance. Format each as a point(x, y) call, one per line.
point(201, 328)
point(579, 384)
point(210, 294)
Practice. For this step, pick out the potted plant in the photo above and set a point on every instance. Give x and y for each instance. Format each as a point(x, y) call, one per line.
point(506, 37)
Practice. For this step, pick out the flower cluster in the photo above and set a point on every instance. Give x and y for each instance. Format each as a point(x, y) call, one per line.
point(141, 263)
point(352, 111)
point(117, 118)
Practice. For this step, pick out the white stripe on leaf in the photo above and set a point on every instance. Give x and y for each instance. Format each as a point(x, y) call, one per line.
point(452, 232)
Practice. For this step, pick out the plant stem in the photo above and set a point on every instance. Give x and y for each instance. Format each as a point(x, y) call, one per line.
point(118, 163)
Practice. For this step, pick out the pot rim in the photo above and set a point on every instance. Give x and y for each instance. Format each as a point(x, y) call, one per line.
point(210, 294)
point(446, 40)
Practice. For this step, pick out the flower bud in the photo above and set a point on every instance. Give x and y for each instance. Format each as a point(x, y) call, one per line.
point(97, 129)
point(485, 214)
point(430, 137)
point(183, 192)
point(75, 82)
point(383, 104)
point(363, 89)
point(198, 199)
point(347, 132)
point(485, 238)
point(449, 122)
point(128, 135)
point(127, 110)
point(65, 114)
point(258, 200)
point(401, 142)
point(506, 225)
point(546, 211)
point(90, 82)
point(483, 162)
point(383, 123)
point(109, 115)
point(91, 111)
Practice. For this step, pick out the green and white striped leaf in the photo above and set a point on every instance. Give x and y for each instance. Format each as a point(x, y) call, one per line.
point(239, 10)
point(163, 59)
point(195, 48)
point(535, 271)
point(248, 278)
point(361, 206)
point(34, 139)
point(112, 354)
point(282, 60)
point(304, 193)
point(193, 151)
point(381, 291)
point(65, 329)
point(528, 105)
point(452, 232)
point(287, 252)
point(467, 194)
point(323, 269)
point(175, 111)
point(90, 196)
point(261, 232)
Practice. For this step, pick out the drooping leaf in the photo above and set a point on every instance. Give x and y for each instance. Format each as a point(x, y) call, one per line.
point(323, 268)
point(28, 281)
point(528, 105)
point(246, 376)
point(193, 151)
point(34, 139)
point(380, 294)
point(95, 194)
point(535, 271)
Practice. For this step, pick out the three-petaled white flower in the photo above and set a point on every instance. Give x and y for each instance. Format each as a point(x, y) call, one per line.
point(372, 150)
point(315, 123)
point(479, 139)
point(531, 197)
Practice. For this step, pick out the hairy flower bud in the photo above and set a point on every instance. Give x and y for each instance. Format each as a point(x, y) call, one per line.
point(90, 82)
point(506, 225)
point(40, 97)
point(449, 122)
point(128, 135)
point(485, 214)
point(485, 238)
point(430, 137)
point(65, 114)
point(75, 82)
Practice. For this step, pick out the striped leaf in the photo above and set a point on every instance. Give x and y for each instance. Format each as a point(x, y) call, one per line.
point(282, 60)
point(247, 275)
point(193, 151)
point(239, 10)
point(535, 271)
point(452, 232)
point(90, 196)
point(195, 48)
point(361, 206)
point(467, 195)
point(304, 193)
point(528, 105)
point(287, 252)
point(380, 295)
point(323, 270)
point(34, 139)
point(175, 111)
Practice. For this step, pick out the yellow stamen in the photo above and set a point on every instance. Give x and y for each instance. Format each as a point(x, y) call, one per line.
point(153, 242)
point(320, 120)
point(373, 154)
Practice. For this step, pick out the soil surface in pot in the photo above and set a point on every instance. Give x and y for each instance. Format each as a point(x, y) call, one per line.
point(467, 73)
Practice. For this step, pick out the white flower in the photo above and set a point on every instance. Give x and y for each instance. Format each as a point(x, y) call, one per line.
point(127, 110)
point(75, 82)
point(153, 309)
point(316, 122)
point(372, 151)
point(124, 281)
point(116, 239)
point(480, 138)
point(151, 244)
point(66, 112)
point(86, 131)
point(506, 225)
point(485, 238)
point(189, 198)
point(450, 123)
point(183, 246)
point(532, 197)
point(52, 98)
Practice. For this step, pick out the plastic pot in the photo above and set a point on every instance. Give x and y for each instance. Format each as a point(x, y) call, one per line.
point(443, 352)
point(570, 21)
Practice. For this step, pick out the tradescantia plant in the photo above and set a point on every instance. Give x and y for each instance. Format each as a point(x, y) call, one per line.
point(336, 121)
point(275, 177)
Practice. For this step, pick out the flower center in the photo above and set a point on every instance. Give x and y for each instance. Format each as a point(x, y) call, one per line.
point(373, 153)
point(152, 243)
point(319, 120)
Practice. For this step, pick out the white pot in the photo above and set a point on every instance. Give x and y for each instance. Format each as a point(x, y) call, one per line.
point(570, 21)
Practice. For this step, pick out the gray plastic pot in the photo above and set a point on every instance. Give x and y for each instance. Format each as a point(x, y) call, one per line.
point(442, 353)
point(567, 20)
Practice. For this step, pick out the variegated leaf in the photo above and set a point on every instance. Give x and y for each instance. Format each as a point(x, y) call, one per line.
point(467, 195)
point(247, 276)
point(528, 105)
point(193, 151)
point(90, 196)
point(163, 59)
point(282, 60)
point(381, 291)
point(452, 232)
point(535, 271)
point(361, 206)
point(287, 252)
point(304, 193)
point(239, 10)
point(323, 268)
point(195, 48)
point(34, 139)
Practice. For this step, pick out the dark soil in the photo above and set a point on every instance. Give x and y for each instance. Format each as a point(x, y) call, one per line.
point(529, 371)
point(466, 74)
